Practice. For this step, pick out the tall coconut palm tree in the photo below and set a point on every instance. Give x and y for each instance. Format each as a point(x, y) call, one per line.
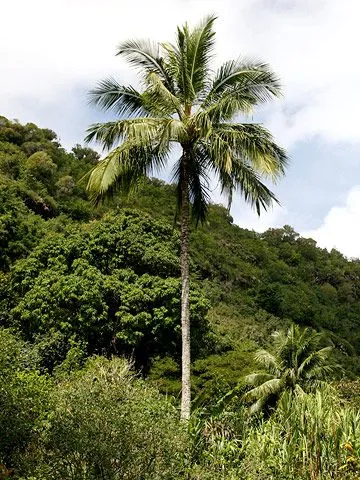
point(299, 364)
point(181, 101)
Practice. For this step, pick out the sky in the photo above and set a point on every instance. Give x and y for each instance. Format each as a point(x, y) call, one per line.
point(53, 52)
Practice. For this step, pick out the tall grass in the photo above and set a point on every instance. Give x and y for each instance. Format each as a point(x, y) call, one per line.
point(309, 437)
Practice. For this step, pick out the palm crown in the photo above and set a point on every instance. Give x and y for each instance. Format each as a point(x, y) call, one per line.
point(184, 102)
point(298, 364)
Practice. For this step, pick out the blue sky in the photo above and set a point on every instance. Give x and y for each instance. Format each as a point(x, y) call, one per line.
point(53, 52)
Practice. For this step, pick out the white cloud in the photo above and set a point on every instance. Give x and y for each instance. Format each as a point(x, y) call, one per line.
point(341, 227)
point(50, 49)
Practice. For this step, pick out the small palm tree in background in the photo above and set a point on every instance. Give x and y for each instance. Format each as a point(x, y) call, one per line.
point(183, 102)
point(299, 364)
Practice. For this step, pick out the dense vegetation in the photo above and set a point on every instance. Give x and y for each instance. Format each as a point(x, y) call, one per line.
point(82, 286)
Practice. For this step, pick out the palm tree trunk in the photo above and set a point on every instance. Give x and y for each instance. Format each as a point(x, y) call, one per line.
point(185, 313)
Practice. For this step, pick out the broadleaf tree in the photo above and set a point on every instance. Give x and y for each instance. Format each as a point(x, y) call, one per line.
point(182, 101)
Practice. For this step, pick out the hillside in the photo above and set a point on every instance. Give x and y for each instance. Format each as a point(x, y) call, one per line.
point(75, 280)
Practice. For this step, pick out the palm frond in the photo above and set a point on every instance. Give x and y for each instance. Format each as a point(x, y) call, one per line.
point(198, 184)
point(104, 175)
point(122, 169)
point(172, 130)
point(221, 152)
point(257, 379)
point(180, 56)
point(286, 344)
point(228, 105)
point(244, 179)
point(308, 342)
point(200, 44)
point(323, 372)
point(258, 406)
point(268, 361)
point(171, 63)
point(251, 79)
point(162, 101)
point(124, 101)
point(145, 55)
point(140, 130)
point(236, 174)
point(316, 359)
point(255, 144)
point(273, 386)
point(229, 191)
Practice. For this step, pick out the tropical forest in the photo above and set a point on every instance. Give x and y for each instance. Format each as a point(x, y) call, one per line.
point(143, 334)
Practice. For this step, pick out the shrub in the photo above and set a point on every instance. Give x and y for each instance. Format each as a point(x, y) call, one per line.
point(108, 424)
point(23, 400)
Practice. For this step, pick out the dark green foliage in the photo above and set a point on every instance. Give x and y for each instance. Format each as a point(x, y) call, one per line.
point(38, 177)
point(20, 228)
point(107, 424)
point(39, 167)
point(112, 284)
point(23, 398)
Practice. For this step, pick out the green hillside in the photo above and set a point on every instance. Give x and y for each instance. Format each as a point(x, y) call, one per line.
point(78, 280)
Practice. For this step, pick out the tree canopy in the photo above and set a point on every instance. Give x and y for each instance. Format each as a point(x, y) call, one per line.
point(54, 287)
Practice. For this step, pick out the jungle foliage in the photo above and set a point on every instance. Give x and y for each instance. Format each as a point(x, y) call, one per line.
point(107, 279)
point(82, 286)
point(103, 421)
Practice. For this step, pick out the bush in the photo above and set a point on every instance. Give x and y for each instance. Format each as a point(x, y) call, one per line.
point(23, 400)
point(108, 424)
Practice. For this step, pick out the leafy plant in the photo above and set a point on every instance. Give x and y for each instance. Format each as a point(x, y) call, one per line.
point(299, 363)
point(108, 424)
point(111, 285)
point(23, 400)
point(303, 440)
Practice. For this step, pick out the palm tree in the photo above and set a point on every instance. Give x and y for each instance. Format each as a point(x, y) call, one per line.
point(298, 365)
point(183, 102)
